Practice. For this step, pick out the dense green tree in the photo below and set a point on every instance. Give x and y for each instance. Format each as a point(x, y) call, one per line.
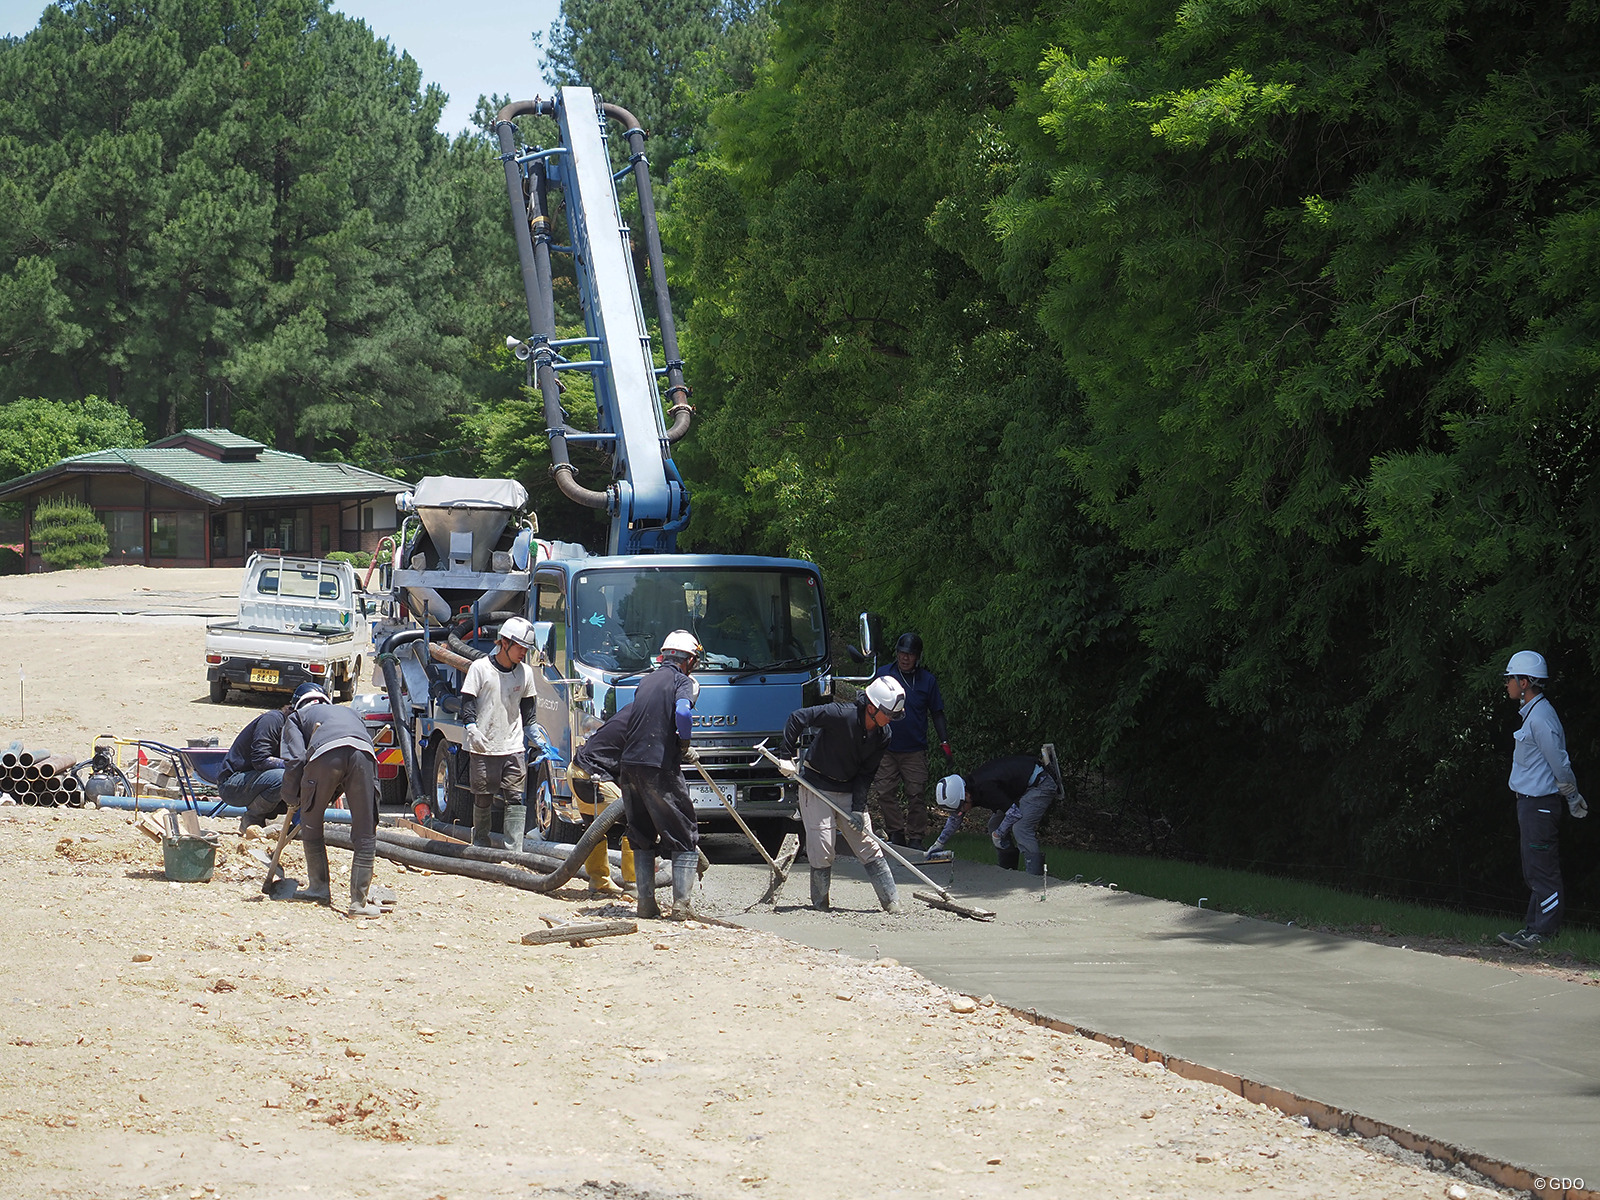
point(35, 434)
point(209, 200)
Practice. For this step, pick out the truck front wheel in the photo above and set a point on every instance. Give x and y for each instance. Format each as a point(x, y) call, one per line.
point(439, 776)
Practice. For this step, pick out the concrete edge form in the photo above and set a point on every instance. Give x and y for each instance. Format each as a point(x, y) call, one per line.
point(1320, 1115)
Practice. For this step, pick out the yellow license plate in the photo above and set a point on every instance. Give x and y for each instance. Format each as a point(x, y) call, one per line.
point(258, 675)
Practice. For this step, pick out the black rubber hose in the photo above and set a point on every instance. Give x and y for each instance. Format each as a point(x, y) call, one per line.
point(400, 722)
point(499, 617)
point(433, 858)
point(532, 860)
point(468, 652)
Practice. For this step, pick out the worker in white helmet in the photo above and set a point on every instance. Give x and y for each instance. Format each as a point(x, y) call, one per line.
point(1541, 780)
point(848, 742)
point(497, 703)
point(1018, 790)
point(661, 820)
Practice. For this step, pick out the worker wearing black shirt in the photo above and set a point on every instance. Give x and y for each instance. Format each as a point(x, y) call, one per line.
point(842, 760)
point(252, 774)
point(1018, 789)
point(328, 750)
point(660, 813)
point(593, 779)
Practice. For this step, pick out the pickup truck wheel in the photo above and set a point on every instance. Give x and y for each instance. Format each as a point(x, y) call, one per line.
point(219, 691)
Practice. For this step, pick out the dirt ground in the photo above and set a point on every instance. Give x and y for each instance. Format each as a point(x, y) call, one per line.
point(198, 1040)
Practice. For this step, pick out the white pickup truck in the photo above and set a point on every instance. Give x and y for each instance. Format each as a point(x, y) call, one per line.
point(301, 620)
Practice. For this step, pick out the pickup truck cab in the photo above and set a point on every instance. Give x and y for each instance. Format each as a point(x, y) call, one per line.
point(300, 620)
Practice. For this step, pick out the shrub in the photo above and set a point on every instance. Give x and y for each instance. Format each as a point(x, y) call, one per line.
point(358, 559)
point(10, 561)
point(67, 535)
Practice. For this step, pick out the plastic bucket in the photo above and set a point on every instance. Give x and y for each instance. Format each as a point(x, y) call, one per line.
point(189, 859)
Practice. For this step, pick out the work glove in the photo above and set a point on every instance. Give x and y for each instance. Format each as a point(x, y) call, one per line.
point(1577, 805)
point(786, 768)
point(690, 755)
point(937, 853)
point(474, 739)
point(949, 754)
point(861, 822)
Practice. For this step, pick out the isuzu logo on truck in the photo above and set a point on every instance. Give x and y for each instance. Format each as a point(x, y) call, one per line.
point(708, 720)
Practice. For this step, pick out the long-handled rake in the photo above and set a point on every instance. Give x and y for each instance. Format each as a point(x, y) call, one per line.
point(786, 852)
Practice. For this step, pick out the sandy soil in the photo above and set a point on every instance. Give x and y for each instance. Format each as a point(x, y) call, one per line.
point(198, 1040)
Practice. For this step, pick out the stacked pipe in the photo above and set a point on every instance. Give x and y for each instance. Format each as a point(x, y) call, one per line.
point(40, 778)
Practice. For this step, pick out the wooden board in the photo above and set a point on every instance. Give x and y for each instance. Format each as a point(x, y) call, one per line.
point(433, 835)
point(577, 932)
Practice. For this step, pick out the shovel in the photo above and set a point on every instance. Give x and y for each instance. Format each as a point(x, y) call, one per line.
point(787, 852)
point(284, 888)
point(942, 899)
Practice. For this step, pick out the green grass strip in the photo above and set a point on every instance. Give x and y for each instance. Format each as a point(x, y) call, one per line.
point(1273, 898)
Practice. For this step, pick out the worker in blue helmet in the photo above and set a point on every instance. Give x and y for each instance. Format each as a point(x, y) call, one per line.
point(1543, 783)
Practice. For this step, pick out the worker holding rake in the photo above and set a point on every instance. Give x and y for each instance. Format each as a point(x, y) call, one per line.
point(848, 742)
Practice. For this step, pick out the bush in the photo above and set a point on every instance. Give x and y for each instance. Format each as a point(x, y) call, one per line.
point(359, 559)
point(10, 561)
point(67, 535)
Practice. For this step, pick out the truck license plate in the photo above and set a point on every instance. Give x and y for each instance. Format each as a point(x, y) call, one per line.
point(701, 796)
point(260, 675)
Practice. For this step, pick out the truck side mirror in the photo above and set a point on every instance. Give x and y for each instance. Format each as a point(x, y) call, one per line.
point(871, 634)
point(544, 637)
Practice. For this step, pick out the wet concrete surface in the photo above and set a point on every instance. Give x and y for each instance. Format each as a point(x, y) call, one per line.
point(1483, 1057)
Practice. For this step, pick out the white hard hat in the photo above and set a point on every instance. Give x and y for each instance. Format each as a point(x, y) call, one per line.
point(887, 694)
point(518, 630)
point(1528, 662)
point(952, 790)
point(681, 642)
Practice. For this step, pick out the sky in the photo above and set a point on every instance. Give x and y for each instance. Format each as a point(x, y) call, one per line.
point(468, 50)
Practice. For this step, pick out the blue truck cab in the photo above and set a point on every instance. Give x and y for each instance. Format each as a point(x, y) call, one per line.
point(601, 621)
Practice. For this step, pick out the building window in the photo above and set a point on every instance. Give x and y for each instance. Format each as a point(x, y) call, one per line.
point(178, 535)
point(327, 539)
point(125, 534)
point(287, 530)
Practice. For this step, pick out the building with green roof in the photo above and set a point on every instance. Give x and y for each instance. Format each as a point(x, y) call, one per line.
point(210, 498)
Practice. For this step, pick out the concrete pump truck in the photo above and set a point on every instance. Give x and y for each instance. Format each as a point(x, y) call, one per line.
point(469, 558)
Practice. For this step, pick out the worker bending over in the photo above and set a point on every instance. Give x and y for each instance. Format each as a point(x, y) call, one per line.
point(252, 774)
point(497, 704)
point(327, 750)
point(594, 782)
point(660, 814)
point(1018, 789)
point(847, 744)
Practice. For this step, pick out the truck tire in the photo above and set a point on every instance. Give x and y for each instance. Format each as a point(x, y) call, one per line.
point(445, 793)
point(219, 691)
point(550, 826)
point(393, 792)
point(344, 690)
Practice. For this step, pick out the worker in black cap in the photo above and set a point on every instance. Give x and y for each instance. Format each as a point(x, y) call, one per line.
point(327, 750)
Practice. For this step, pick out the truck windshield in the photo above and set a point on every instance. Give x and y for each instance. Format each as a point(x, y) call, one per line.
point(747, 619)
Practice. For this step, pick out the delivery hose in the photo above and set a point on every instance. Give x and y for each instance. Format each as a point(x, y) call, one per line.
point(447, 856)
point(400, 720)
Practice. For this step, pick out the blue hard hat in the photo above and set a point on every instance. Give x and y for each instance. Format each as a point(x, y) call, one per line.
point(306, 693)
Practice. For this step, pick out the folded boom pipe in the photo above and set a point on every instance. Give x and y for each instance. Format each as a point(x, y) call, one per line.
point(534, 256)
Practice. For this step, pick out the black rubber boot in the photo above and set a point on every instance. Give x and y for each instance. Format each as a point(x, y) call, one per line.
point(820, 878)
point(316, 889)
point(482, 816)
point(362, 905)
point(644, 869)
point(1006, 858)
point(883, 883)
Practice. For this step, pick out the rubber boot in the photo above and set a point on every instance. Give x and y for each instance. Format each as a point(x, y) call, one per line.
point(482, 814)
point(1033, 864)
point(883, 883)
point(598, 864)
point(1006, 858)
point(316, 889)
point(516, 824)
point(645, 865)
point(630, 882)
point(685, 870)
point(361, 904)
point(820, 878)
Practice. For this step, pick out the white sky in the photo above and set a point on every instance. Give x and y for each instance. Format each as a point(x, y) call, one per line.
point(468, 50)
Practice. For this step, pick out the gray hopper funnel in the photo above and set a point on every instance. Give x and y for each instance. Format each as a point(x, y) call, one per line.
point(464, 518)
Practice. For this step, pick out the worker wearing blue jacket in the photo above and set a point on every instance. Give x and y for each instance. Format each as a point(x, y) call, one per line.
point(1541, 780)
point(905, 759)
point(252, 773)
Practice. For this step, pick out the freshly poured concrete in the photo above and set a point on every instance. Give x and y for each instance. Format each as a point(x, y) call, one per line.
point(1471, 1054)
